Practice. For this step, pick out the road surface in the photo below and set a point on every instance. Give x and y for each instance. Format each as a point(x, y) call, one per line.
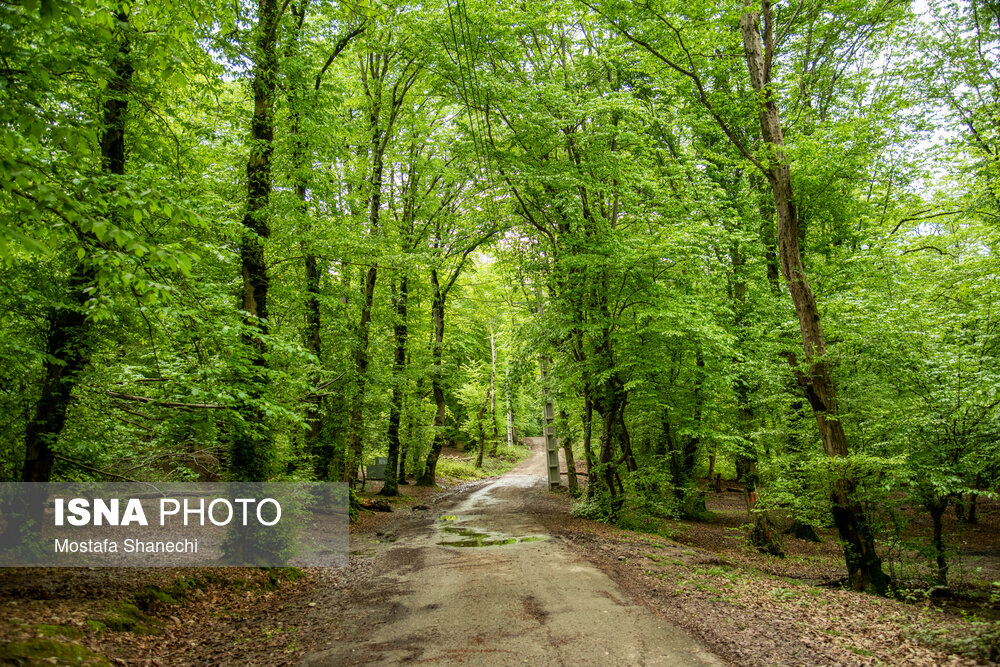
point(474, 580)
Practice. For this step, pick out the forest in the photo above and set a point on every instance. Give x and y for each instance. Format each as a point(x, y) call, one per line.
point(278, 240)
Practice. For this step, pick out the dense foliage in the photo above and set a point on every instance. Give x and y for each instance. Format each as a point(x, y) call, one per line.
point(277, 240)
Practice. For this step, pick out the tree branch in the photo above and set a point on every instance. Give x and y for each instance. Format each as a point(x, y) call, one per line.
point(693, 76)
point(91, 469)
point(340, 46)
point(167, 404)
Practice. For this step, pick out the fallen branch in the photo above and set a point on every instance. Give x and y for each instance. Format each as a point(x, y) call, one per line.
point(137, 413)
point(168, 404)
point(84, 466)
point(193, 456)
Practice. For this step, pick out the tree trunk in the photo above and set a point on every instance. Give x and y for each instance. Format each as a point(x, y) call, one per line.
point(356, 438)
point(608, 468)
point(251, 447)
point(937, 507)
point(802, 531)
point(567, 443)
point(508, 394)
point(610, 405)
point(764, 536)
point(493, 394)
point(437, 315)
point(626, 441)
point(588, 430)
point(863, 563)
point(313, 273)
point(391, 485)
point(68, 343)
point(481, 448)
point(714, 481)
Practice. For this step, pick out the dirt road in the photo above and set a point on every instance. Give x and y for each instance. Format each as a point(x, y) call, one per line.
point(474, 580)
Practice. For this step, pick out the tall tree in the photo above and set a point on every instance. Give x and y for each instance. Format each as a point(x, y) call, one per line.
point(252, 445)
point(816, 378)
point(387, 75)
point(69, 341)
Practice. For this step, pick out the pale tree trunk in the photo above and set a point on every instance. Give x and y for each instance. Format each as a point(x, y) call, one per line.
point(493, 394)
point(863, 563)
point(481, 449)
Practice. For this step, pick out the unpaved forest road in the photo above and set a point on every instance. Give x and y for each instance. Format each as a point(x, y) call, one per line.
point(530, 602)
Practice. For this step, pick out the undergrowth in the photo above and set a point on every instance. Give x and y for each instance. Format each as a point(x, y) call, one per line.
point(464, 468)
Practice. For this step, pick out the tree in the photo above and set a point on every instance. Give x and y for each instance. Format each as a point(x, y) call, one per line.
point(450, 249)
point(816, 379)
point(68, 345)
point(252, 445)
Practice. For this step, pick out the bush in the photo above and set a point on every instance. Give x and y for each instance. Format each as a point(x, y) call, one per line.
point(596, 508)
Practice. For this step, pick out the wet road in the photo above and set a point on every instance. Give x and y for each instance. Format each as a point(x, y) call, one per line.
point(478, 582)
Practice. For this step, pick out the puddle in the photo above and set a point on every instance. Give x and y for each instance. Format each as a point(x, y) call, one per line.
point(492, 542)
point(474, 538)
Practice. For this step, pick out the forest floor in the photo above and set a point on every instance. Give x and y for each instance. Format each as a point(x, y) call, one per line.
point(546, 588)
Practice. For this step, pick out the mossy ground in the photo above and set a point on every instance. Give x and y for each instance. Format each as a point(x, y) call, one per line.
point(34, 652)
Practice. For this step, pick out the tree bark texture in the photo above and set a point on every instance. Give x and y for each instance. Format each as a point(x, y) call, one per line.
point(437, 315)
point(391, 485)
point(863, 563)
point(567, 444)
point(493, 395)
point(251, 453)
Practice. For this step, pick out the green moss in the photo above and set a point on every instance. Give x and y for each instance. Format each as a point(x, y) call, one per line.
point(49, 652)
point(126, 617)
point(276, 575)
point(96, 626)
point(151, 597)
point(288, 573)
point(58, 631)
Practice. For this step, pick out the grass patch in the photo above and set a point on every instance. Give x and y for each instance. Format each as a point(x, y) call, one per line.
point(464, 469)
